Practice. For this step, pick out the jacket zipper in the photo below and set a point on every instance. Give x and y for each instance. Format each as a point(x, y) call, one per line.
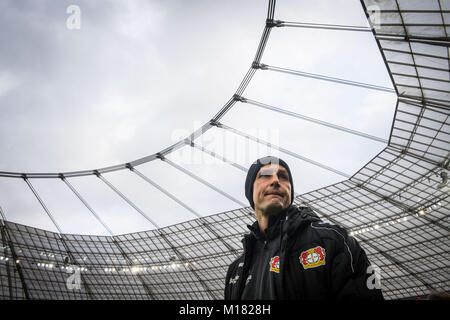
point(282, 256)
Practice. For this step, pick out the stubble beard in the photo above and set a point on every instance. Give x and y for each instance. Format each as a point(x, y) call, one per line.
point(272, 209)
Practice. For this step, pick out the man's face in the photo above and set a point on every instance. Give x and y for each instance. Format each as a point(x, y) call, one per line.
point(272, 189)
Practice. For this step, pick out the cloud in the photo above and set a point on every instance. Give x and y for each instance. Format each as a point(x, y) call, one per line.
point(7, 82)
point(137, 72)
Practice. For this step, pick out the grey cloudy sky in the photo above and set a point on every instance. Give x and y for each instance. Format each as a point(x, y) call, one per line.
point(138, 75)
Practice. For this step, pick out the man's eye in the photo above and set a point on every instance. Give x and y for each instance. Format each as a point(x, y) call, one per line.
point(283, 176)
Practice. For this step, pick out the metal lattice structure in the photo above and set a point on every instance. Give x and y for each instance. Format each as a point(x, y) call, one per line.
point(396, 206)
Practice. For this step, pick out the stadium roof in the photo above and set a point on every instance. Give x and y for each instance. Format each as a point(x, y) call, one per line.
point(396, 205)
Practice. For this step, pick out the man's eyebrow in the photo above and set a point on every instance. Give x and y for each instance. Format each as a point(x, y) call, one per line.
point(281, 169)
point(264, 171)
point(271, 170)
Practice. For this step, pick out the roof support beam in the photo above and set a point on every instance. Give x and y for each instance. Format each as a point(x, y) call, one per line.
point(159, 230)
point(42, 204)
point(190, 267)
point(60, 233)
point(202, 181)
point(130, 264)
point(257, 59)
point(74, 261)
point(124, 255)
point(334, 27)
point(127, 200)
point(202, 220)
point(8, 271)
point(154, 184)
point(215, 155)
point(313, 120)
point(325, 78)
point(86, 205)
point(6, 239)
point(221, 125)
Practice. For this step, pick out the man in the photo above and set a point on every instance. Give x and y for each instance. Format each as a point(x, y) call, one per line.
point(290, 253)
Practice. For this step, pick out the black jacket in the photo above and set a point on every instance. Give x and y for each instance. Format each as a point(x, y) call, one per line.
point(301, 258)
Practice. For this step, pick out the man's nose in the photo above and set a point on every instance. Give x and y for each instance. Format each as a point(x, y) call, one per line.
point(274, 180)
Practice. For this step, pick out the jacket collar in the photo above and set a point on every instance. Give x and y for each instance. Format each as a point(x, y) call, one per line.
point(272, 229)
point(299, 218)
point(296, 217)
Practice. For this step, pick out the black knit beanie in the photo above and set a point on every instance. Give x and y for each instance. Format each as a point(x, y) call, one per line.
point(253, 171)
